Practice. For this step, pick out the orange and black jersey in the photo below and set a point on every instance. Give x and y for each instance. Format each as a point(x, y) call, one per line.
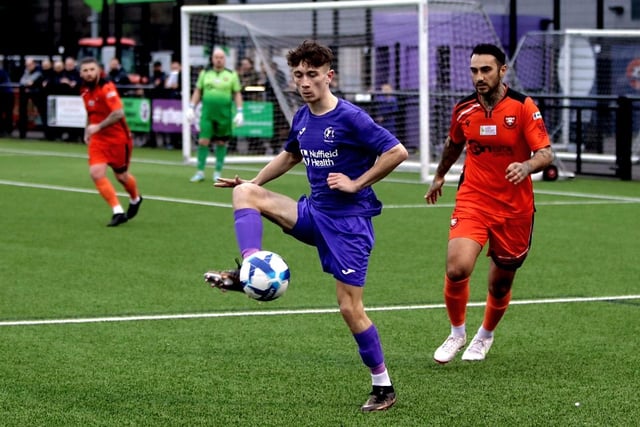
point(100, 101)
point(495, 138)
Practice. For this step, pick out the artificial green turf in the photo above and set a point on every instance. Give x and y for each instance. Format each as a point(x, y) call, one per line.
point(59, 262)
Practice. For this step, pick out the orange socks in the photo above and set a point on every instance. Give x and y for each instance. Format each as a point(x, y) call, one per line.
point(132, 187)
point(494, 311)
point(456, 296)
point(107, 191)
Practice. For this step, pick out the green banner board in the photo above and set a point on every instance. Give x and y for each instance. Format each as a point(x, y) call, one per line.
point(142, 1)
point(137, 111)
point(97, 4)
point(258, 120)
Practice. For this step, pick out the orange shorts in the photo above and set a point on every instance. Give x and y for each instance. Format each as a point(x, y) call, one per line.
point(509, 238)
point(117, 156)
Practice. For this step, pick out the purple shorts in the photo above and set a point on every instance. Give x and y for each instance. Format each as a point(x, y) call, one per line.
point(344, 243)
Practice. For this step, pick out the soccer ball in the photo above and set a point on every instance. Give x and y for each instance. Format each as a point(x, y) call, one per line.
point(264, 275)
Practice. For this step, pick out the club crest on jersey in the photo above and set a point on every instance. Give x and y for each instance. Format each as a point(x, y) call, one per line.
point(509, 121)
point(537, 115)
point(329, 135)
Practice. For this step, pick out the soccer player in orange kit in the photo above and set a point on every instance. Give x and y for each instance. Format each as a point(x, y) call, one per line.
point(109, 140)
point(500, 128)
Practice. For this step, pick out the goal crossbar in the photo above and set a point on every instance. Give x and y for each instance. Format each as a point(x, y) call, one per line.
point(420, 5)
point(421, 47)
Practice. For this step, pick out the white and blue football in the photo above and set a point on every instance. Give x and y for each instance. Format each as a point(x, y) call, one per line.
point(264, 275)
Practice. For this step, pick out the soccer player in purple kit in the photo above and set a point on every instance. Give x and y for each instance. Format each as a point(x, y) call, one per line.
point(345, 152)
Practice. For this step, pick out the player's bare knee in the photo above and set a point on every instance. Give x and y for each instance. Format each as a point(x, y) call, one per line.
point(348, 313)
point(457, 273)
point(501, 287)
point(245, 192)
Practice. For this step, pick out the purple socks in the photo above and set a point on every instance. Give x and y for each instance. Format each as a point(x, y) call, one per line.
point(248, 224)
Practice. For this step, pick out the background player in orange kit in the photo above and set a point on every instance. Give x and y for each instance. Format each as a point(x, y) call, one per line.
point(500, 128)
point(109, 140)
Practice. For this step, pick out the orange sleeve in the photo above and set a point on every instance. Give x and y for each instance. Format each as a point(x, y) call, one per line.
point(535, 130)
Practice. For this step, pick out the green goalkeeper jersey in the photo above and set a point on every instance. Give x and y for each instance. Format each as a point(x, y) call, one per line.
point(218, 88)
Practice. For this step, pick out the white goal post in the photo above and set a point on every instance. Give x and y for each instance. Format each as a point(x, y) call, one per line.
point(412, 53)
point(587, 69)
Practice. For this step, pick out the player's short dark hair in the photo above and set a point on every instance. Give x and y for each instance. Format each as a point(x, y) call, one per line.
point(312, 53)
point(490, 49)
point(89, 59)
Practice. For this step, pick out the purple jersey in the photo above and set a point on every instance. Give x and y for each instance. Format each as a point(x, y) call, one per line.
point(344, 140)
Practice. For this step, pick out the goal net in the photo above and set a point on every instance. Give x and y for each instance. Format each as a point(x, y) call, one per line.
point(404, 62)
point(577, 75)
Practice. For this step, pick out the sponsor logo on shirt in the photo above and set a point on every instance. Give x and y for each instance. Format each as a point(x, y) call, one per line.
point(319, 158)
point(477, 148)
point(488, 130)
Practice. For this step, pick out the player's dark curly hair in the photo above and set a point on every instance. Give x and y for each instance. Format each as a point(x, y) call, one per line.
point(311, 53)
point(490, 49)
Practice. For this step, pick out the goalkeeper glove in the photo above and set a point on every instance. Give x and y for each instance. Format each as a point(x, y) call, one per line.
point(238, 120)
point(191, 114)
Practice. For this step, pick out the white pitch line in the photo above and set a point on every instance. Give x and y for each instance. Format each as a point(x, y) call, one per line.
point(596, 199)
point(295, 312)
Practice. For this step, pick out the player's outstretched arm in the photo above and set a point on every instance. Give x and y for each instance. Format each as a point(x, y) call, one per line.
point(280, 164)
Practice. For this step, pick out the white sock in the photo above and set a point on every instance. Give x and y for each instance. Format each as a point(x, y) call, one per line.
point(484, 334)
point(118, 209)
point(134, 201)
point(459, 331)
point(381, 379)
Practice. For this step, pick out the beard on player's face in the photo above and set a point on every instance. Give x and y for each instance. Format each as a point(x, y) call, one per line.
point(91, 81)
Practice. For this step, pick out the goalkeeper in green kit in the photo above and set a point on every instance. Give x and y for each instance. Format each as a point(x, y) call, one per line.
point(218, 88)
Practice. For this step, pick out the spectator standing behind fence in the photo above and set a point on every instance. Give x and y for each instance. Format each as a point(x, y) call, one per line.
point(218, 88)
point(386, 108)
point(48, 71)
point(52, 87)
point(291, 97)
point(117, 74)
point(7, 99)
point(158, 80)
point(173, 82)
point(32, 82)
point(69, 84)
point(70, 79)
point(109, 140)
point(173, 90)
point(158, 77)
point(335, 86)
point(249, 77)
point(48, 81)
point(56, 75)
point(250, 80)
point(494, 201)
